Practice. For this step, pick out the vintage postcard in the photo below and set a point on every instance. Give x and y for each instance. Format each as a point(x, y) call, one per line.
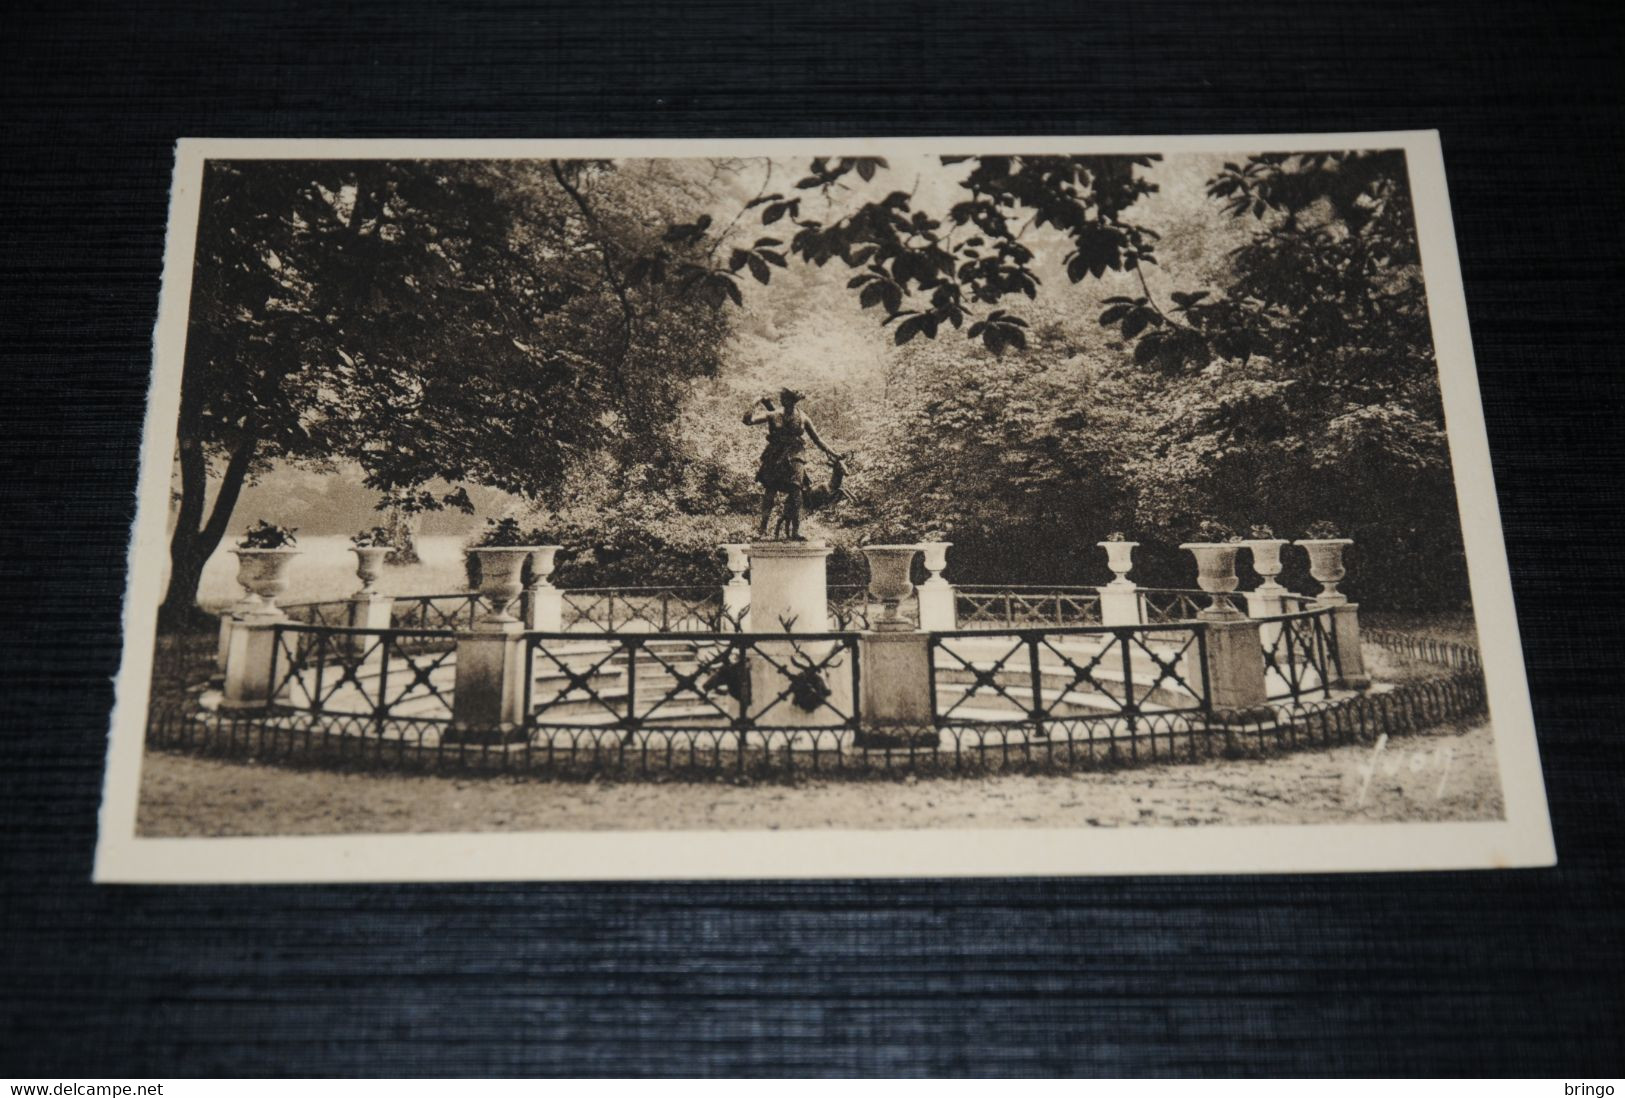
point(793, 508)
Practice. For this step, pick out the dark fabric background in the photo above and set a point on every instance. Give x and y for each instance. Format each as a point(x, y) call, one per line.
point(1516, 972)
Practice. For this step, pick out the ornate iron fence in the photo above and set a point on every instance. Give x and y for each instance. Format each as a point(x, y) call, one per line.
point(976, 606)
point(773, 753)
point(1300, 654)
point(435, 612)
point(334, 613)
point(1029, 677)
point(850, 607)
point(683, 681)
point(381, 674)
point(1163, 605)
point(682, 701)
point(644, 609)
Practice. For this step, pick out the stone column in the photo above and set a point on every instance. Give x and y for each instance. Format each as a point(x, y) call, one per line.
point(1346, 627)
point(489, 698)
point(1235, 668)
point(789, 593)
point(896, 687)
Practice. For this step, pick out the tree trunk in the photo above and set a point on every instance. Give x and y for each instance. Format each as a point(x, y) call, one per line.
point(403, 537)
point(192, 545)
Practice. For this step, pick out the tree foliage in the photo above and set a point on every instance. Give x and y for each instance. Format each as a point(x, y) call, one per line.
point(447, 321)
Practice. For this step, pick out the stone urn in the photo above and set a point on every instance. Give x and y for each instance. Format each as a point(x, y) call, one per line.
point(1326, 565)
point(264, 573)
point(936, 559)
point(501, 572)
point(1266, 554)
point(1216, 575)
point(889, 583)
point(541, 565)
point(738, 561)
point(1120, 559)
point(369, 565)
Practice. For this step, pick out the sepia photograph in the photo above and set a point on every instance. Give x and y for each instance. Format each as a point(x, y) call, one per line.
point(786, 508)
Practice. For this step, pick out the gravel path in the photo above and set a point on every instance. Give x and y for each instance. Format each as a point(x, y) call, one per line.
point(1448, 775)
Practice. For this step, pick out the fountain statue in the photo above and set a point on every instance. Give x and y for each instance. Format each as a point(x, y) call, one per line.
point(783, 467)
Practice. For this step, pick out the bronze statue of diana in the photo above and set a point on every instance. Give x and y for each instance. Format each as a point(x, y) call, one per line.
point(783, 468)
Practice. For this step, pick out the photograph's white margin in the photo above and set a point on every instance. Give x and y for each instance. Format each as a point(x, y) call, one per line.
point(1523, 838)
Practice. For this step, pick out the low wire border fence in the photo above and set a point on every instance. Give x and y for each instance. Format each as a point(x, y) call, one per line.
point(1425, 649)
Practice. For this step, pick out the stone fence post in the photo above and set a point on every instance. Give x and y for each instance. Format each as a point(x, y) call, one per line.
point(488, 700)
point(1326, 566)
point(1234, 668)
point(937, 598)
point(1346, 632)
point(1120, 599)
point(895, 686)
point(250, 653)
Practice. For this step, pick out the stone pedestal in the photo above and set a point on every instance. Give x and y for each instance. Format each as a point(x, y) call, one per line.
point(736, 605)
point(1346, 627)
point(369, 611)
point(937, 609)
point(544, 609)
point(248, 661)
point(789, 586)
point(1235, 669)
point(1120, 604)
point(488, 702)
point(736, 592)
point(896, 686)
point(789, 593)
point(1265, 602)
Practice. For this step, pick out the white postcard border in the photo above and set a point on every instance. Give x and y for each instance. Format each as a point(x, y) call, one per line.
point(1523, 838)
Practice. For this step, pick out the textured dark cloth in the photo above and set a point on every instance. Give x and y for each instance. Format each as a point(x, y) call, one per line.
point(1512, 972)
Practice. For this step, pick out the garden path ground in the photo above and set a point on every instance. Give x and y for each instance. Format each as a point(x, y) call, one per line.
point(1447, 775)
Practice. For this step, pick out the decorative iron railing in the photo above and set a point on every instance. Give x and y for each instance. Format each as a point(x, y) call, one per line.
point(1029, 677)
point(644, 609)
point(644, 700)
point(334, 613)
point(1163, 605)
point(850, 607)
point(1300, 654)
point(977, 606)
point(380, 674)
point(436, 612)
point(417, 745)
point(686, 680)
